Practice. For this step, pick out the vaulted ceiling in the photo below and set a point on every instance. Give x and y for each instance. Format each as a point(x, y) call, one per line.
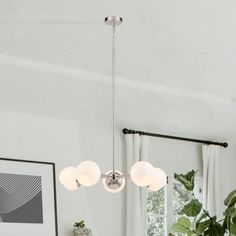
point(180, 55)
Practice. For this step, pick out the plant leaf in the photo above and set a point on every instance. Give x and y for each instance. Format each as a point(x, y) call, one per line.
point(201, 217)
point(230, 213)
point(231, 198)
point(216, 229)
point(232, 230)
point(192, 209)
point(226, 223)
point(187, 180)
point(201, 227)
point(183, 225)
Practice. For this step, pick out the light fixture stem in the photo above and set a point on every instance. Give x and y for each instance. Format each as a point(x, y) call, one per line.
point(113, 92)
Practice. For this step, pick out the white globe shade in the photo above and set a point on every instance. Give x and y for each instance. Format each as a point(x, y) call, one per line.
point(67, 177)
point(158, 180)
point(140, 173)
point(88, 173)
point(116, 186)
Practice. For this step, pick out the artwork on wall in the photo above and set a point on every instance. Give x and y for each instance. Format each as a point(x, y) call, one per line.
point(27, 198)
point(20, 198)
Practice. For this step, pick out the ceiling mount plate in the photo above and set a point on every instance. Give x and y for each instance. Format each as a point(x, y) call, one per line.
point(113, 20)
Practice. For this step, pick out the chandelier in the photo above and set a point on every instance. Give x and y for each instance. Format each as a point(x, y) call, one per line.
point(88, 173)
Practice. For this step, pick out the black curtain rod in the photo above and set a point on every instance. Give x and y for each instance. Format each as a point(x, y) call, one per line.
point(129, 131)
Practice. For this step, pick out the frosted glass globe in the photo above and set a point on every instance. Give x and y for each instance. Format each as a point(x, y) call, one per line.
point(88, 173)
point(67, 177)
point(113, 185)
point(158, 180)
point(140, 173)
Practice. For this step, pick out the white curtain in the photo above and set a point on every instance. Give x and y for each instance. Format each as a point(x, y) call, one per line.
point(137, 150)
point(210, 154)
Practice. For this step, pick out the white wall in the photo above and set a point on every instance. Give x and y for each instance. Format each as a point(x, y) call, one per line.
point(175, 156)
point(31, 137)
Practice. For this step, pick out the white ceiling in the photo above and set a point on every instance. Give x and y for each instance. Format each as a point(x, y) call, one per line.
point(179, 54)
point(182, 43)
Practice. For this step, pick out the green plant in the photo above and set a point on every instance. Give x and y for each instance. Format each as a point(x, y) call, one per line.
point(194, 220)
point(79, 224)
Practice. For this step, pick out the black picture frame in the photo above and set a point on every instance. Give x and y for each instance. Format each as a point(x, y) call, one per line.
point(54, 181)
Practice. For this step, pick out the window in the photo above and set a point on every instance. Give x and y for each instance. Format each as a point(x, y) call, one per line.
point(163, 206)
point(156, 213)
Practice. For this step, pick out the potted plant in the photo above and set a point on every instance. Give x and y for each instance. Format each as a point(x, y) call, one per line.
point(81, 230)
point(194, 220)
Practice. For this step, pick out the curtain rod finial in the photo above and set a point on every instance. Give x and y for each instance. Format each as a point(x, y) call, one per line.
point(125, 131)
point(225, 145)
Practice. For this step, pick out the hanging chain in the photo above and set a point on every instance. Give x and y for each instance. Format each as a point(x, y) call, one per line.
point(113, 92)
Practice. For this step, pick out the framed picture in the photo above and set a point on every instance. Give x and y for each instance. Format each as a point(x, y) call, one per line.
point(28, 204)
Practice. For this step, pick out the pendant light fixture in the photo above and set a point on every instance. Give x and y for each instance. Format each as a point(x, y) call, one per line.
point(88, 173)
